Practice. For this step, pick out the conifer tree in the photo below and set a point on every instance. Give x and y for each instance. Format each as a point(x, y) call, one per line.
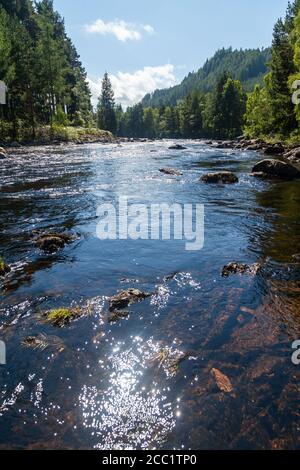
point(106, 106)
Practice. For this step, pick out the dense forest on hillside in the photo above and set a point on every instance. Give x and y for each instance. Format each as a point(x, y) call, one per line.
point(218, 102)
point(247, 66)
point(46, 82)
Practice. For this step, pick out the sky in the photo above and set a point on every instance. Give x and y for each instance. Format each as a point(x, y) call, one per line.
point(150, 44)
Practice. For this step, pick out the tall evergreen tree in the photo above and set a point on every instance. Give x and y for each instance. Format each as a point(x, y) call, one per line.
point(277, 81)
point(106, 107)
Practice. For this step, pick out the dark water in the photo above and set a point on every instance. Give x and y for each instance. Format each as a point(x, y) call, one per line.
point(114, 386)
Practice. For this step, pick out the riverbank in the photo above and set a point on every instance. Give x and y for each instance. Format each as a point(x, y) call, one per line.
point(60, 134)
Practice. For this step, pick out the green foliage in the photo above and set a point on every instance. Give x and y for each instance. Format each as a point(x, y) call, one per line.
point(257, 118)
point(60, 118)
point(62, 316)
point(2, 264)
point(41, 68)
point(217, 115)
point(270, 111)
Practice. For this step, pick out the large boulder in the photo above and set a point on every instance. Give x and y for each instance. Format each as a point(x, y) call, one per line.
point(293, 155)
point(224, 177)
point(275, 168)
point(277, 149)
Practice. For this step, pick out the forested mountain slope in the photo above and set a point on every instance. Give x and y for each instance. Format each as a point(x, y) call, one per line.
point(249, 66)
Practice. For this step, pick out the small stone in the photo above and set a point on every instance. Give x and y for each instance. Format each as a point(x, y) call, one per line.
point(126, 298)
point(223, 382)
point(170, 171)
point(177, 147)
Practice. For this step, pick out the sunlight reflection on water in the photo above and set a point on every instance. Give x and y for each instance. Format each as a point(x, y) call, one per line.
point(129, 413)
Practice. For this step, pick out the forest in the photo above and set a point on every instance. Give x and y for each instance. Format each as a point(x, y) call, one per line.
point(236, 92)
point(46, 82)
point(230, 95)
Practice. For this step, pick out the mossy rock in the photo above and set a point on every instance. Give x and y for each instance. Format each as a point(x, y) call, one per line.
point(4, 268)
point(63, 316)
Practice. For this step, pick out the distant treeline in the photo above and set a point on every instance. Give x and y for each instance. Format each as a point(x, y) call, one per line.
point(46, 82)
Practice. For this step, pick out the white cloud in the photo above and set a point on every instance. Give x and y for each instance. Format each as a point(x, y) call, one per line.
point(130, 88)
point(120, 29)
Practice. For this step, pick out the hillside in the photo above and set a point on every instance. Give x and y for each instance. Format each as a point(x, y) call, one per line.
point(249, 66)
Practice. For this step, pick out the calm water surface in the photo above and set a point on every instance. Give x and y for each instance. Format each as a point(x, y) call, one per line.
point(115, 386)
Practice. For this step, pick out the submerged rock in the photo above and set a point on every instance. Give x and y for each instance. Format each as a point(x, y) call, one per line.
point(117, 315)
point(170, 171)
point(126, 298)
point(223, 382)
point(225, 177)
point(43, 342)
point(275, 168)
point(177, 147)
point(51, 242)
point(3, 155)
point(237, 268)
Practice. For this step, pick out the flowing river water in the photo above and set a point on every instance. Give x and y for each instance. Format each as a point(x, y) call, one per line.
point(147, 381)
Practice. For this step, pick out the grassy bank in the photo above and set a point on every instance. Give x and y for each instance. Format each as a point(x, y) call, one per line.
point(56, 134)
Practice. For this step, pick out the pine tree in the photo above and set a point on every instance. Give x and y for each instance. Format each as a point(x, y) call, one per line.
point(106, 107)
point(277, 82)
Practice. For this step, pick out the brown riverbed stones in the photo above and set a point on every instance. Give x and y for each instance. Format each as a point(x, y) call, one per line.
point(51, 242)
point(238, 268)
point(125, 298)
point(221, 177)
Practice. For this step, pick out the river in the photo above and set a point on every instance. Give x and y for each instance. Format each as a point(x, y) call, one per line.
point(147, 381)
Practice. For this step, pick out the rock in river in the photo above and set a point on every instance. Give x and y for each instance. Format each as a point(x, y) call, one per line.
point(126, 298)
point(222, 381)
point(275, 168)
point(225, 177)
point(52, 241)
point(277, 149)
point(237, 268)
point(170, 171)
point(2, 155)
point(4, 268)
point(117, 315)
point(177, 147)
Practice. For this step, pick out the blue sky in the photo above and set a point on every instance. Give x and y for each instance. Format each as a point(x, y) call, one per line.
point(149, 44)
